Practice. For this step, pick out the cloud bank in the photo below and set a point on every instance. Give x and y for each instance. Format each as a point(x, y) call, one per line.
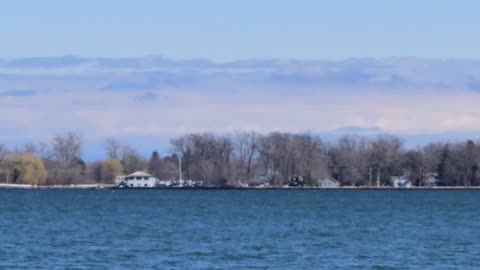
point(153, 98)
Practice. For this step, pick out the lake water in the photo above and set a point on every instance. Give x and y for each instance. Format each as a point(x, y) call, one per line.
point(239, 229)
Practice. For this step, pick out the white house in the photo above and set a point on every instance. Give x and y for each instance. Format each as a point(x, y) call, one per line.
point(429, 179)
point(137, 179)
point(329, 182)
point(400, 182)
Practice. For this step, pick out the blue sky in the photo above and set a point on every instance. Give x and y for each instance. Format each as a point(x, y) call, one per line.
point(228, 30)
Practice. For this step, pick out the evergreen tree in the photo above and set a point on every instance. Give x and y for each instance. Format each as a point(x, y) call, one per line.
point(155, 165)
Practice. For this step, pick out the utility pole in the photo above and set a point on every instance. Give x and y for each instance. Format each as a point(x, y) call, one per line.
point(179, 168)
point(378, 177)
point(370, 176)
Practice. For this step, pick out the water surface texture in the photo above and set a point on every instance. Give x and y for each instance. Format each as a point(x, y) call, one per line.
point(239, 229)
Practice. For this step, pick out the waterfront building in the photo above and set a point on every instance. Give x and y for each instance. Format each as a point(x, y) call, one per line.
point(429, 179)
point(138, 179)
point(262, 180)
point(329, 182)
point(400, 182)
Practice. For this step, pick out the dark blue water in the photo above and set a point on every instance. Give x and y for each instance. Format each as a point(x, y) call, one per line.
point(249, 229)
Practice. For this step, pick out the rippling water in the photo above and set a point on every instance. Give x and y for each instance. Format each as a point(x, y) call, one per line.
point(239, 229)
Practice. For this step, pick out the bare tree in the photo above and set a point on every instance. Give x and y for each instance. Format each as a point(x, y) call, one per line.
point(386, 158)
point(432, 154)
point(64, 165)
point(183, 147)
point(3, 152)
point(132, 161)
point(465, 158)
point(205, 156)
point(246, 153)
point(43, 151)
point(94, 171)
point(277, 158)
point(28, 148)
point(4, 164)
point(67, 147)
point(414, 165)
point(251, 157)
point(348, 162)
point(112, 148)
point(311, 160)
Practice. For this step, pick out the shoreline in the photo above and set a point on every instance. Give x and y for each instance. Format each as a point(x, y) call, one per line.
point(82, 186)
point(113, 187)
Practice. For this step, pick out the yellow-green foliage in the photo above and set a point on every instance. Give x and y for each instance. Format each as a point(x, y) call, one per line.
point(111, 168)
point(29, 169)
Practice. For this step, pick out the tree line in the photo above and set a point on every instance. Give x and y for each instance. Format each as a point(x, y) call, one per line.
point(247, 157)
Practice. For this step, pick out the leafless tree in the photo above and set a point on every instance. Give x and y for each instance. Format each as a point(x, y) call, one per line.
point(311, 159)
point(183, 148)
point(4, 164)
point(432, 154)
point(67, 147)
point(385, 158)
point(414, 165)
point(3, 152)
point(132, 161)
point(94, 171)
point(43, 151)
point(465, 158)
point(28, 148)
point(112, 148)
point(348, 160)
point(246, 154)
point(205, 156)
point(162, 168)
point(277, 158)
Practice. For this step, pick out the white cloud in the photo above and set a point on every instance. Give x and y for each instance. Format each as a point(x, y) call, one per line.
point(249, 101)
